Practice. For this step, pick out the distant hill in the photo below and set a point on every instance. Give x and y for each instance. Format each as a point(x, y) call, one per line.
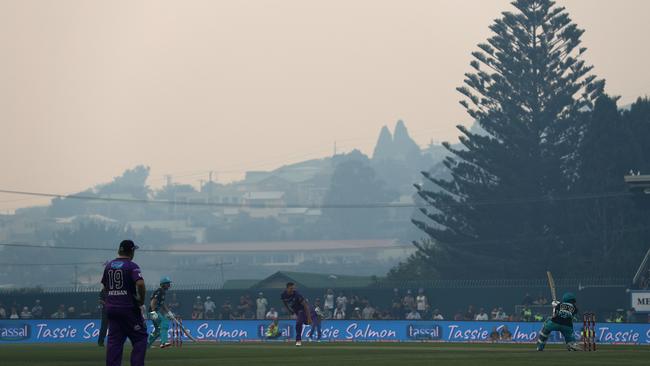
point(398, 159)
point(397, 146)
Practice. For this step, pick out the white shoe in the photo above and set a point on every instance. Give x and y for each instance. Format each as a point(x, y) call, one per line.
point(573, 346)
point(165, 345)
point(298, 343)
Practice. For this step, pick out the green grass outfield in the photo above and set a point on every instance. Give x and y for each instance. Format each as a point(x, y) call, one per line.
point(331, 354)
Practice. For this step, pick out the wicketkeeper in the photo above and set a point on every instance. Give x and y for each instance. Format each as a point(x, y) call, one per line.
point(561, 321)
point(160, 314)
point(273, 331)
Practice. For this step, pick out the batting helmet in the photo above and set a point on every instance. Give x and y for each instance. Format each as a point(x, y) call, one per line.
point(569, 297)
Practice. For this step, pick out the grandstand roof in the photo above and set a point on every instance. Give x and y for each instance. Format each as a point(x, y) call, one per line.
point(239, 284)
point(314, 280)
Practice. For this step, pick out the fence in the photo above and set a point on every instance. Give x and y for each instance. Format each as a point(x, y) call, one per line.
point(68, 331)
point(380, 284)
point(506, 283)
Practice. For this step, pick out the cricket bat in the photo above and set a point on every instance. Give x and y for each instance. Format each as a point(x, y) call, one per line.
point(185, 331)
point(551, 284)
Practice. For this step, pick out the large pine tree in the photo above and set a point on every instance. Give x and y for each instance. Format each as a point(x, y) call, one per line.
point(496, 217)
point(607, 234)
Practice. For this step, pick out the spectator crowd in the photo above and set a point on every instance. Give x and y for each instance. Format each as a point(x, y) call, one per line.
point(403, 305)
point(36, 311)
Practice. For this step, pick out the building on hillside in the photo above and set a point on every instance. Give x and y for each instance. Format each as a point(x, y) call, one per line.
point(227, 215)
point(213, 193)
point(293, 253)
point(258, 259)
point(180, 230)
point(273, 199)
point(120, 209)
point(25, 228)
point(299, 215)
point(268, 192)
point(189, 198)
point(303, 183)
point(75, 220)
point(290, 219)
point(263, 204)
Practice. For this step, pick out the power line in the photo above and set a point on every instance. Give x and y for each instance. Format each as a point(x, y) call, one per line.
point(396, 246)
point(589, 196)
point(101, 264)
point(9, 264)
point(64, 247)
point(69, 247)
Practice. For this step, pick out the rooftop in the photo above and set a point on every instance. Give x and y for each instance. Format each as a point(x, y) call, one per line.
point(309, 280)
point(289, 246)
point(92, 217)
point(272, 195)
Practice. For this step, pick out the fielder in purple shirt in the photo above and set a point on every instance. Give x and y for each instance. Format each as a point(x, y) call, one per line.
point(297, 304)
point(125, 293)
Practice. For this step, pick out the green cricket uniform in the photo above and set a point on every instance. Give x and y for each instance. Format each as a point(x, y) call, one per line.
point(561, 321)
point(273, 331)
point(161, 323)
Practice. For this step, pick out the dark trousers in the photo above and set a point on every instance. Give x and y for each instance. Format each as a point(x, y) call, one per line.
point(103, 328)
point(301, 319)
point(125, 323)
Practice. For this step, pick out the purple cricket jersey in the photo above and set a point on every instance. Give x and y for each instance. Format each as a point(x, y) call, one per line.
point(120, 276)
point(294, 301)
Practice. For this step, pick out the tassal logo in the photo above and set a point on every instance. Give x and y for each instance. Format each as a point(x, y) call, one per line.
point(423, 331)
point(14, 332)
point(283, 332)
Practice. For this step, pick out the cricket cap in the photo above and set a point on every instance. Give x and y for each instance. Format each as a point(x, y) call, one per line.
point(127, 246)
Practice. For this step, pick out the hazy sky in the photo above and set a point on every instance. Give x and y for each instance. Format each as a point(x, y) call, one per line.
point(90, 88)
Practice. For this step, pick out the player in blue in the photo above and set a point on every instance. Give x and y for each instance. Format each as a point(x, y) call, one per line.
point(125, 292)
point(160, 314)
point(298, 305)
point(315, 325)
point(561, 321)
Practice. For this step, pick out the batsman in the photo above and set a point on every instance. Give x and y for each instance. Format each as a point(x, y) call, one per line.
point(561, 321)
point(160, 314)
